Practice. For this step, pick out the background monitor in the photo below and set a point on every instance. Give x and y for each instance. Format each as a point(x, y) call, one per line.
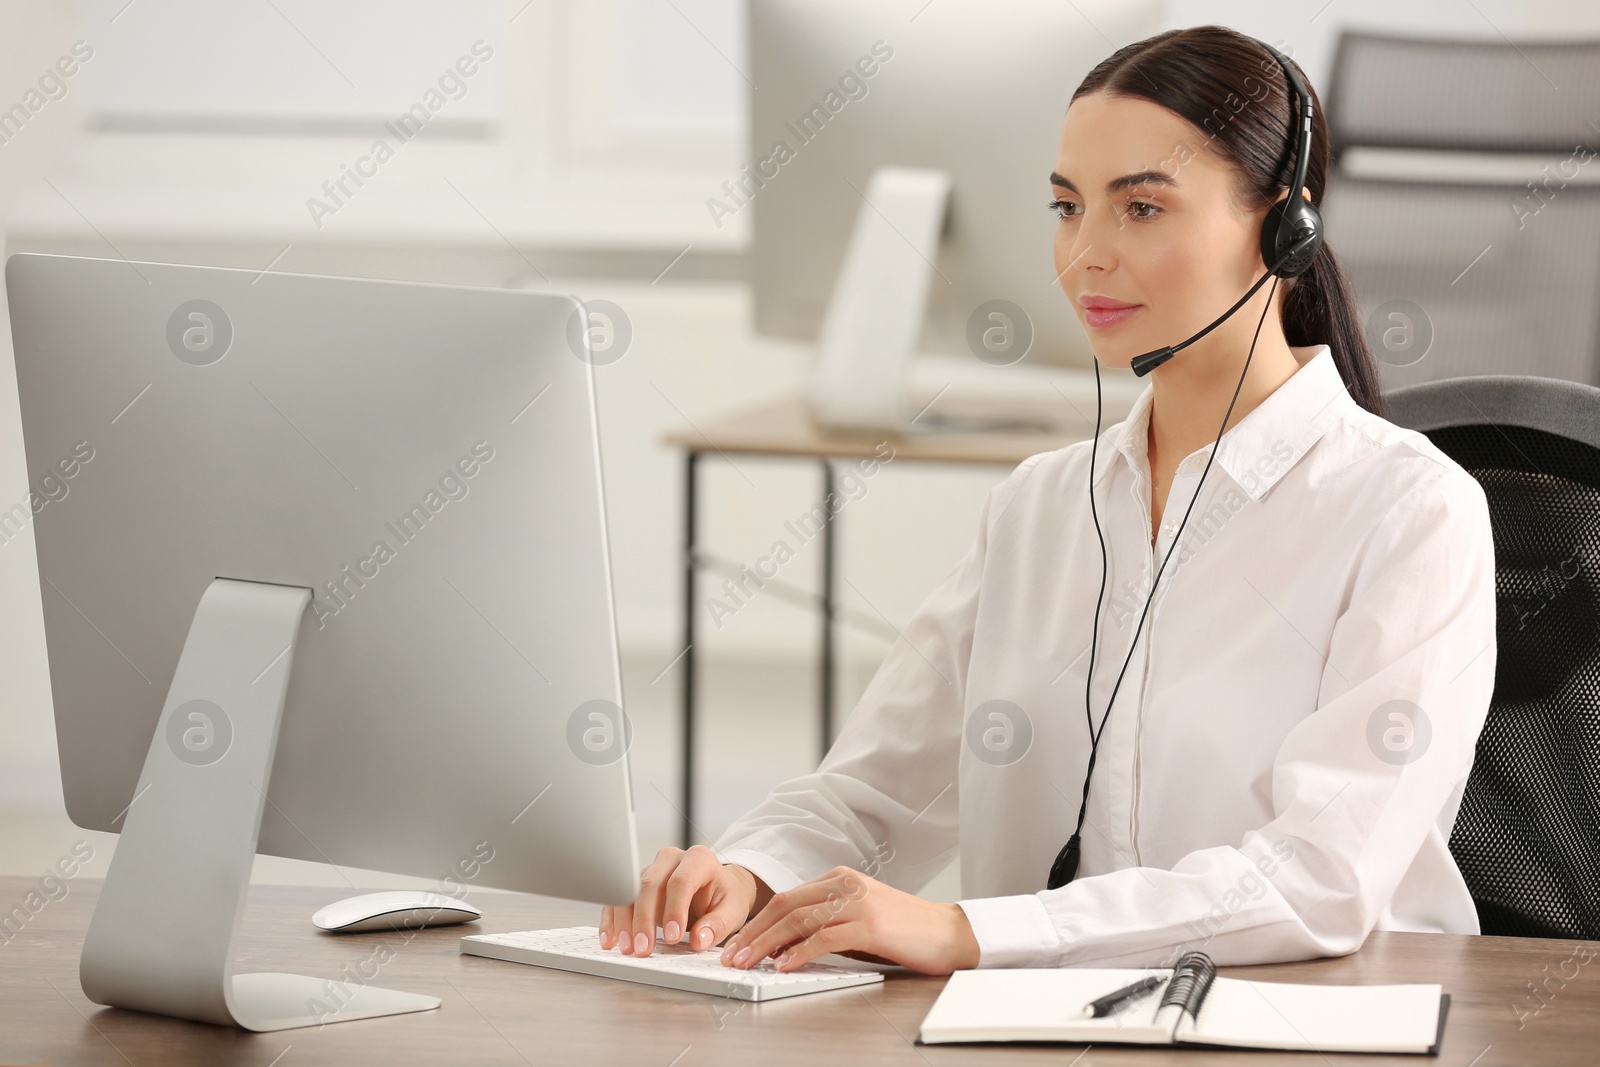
point(953, 86)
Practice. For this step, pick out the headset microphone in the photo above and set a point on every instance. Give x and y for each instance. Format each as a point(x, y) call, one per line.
point(1148, 362)
point(1291, 234)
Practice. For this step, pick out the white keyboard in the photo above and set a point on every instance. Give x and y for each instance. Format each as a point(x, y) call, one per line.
point(577, 948)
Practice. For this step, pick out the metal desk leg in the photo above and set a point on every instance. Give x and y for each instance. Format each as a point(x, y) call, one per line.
point(686, 799)
point(826, 680)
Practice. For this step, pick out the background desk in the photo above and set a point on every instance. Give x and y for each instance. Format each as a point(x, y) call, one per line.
point(785, 428)
point(506, 1013)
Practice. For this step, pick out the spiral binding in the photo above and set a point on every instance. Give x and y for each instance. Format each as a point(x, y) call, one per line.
point(1191, 980)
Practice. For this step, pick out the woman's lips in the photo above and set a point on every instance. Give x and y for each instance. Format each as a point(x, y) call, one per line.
point(1102, 319)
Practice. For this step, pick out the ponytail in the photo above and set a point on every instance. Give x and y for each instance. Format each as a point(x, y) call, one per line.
point(1319, 309)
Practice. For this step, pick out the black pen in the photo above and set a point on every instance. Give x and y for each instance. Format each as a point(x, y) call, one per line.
point(1105, 1004)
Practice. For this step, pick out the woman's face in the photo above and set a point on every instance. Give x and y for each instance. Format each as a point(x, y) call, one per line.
point(1170, 241)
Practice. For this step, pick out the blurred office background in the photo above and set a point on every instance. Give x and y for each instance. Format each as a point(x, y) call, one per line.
point(580, 154)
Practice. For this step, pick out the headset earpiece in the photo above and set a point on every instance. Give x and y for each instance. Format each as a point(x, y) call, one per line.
point(1293, 227)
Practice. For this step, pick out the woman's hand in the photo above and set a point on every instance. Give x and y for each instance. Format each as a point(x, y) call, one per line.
point(847, 912)
point(684, 890)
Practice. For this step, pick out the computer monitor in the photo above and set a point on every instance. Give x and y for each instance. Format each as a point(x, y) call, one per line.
point(325, 575)
point(970, 91)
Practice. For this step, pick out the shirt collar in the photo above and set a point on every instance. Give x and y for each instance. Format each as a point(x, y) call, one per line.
point(1261, 447)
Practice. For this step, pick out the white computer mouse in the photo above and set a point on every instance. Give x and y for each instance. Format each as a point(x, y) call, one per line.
point(405, 909)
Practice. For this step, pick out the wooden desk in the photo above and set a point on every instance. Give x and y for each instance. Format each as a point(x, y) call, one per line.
point(784, 428)
point(506, 1013)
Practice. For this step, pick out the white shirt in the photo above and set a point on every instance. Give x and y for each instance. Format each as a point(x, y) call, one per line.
point(1265, 788)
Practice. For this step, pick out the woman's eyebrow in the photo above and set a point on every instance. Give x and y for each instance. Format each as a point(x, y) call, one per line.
point(1144, 177)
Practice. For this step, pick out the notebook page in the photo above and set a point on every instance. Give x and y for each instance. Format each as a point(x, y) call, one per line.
point(1042, 1004)
point(1283, 1015)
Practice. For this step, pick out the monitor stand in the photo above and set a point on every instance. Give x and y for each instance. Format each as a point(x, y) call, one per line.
point(861, 379)
point(163, 932)
point(874, 315)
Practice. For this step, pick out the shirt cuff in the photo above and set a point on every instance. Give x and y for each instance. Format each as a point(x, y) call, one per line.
point(1012, 931)
point(779, 878)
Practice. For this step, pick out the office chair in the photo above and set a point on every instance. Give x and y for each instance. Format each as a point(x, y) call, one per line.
point(1527, 838)
point(1429, 201)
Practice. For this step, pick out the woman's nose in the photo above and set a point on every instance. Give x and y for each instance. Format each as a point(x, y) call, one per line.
point(1091, 242)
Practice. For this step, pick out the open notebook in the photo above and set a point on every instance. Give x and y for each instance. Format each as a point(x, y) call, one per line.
point(1192, 1007)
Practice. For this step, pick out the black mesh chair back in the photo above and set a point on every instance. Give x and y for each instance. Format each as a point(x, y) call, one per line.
point(1527, 838)
point(1464, 203)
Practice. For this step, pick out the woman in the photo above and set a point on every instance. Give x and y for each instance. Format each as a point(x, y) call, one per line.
point(1296, 697)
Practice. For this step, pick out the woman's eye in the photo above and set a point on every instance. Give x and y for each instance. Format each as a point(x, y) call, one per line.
point(1060, 209)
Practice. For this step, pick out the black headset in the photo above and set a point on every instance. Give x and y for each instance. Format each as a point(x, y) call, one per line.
point(1291, 235)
